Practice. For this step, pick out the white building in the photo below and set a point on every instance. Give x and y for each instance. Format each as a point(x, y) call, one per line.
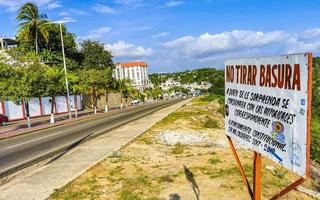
point(136, 72)
point(170, 83)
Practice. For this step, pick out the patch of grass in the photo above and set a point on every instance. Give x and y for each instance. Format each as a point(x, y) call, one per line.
point(172, 117)
point(141, 182)
point(144, 140)
point(88, 189)
point(165, 178)
point(211, 123)
point(228, 171)
point(127, 194)
point(178, 149)
point(280, 172)
point(214, 161)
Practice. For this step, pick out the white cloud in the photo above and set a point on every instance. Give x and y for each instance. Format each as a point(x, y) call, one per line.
point(310, 33)
point(127, 50)
point(64, 13)
point(162, 34)
point(13, 5)
point(103, 9)
point(142, 28)
point(131, 4)
point(174, 3)
point(209, 45)
point(54, 4)
point(242, 43)
point(71, 12)
point(96, 33)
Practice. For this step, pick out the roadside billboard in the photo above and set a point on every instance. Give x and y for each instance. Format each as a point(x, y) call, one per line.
point(267, 104)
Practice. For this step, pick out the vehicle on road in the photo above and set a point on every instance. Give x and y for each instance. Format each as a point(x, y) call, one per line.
point(135, 102)
point(3, 120)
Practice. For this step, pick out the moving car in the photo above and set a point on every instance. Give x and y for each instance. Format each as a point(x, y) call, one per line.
point(3, 120)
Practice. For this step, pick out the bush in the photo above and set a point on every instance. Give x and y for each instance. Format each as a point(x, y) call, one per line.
point(315, 145)
point(178, 149)
point(211, 123)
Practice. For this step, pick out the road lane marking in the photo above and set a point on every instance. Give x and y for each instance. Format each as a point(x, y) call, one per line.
point(29, 141)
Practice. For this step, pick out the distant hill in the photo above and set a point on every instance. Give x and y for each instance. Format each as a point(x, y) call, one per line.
point(189, 76)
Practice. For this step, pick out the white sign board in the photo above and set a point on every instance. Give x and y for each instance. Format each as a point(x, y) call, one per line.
point(267, 107)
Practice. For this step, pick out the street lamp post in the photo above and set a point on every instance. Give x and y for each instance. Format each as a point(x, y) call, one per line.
point(64, 63)
point(65, 72)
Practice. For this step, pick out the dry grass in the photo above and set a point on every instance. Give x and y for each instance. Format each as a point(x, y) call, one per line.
point(147, 169)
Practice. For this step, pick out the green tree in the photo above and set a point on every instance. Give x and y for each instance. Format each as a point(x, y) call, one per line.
point(54, 85)
point(32, 25)
point(76, 85)
point(29, 81)
point(93, 82)
point(7, 76)
point(48, 57)
point(95, 56)
point(109, 85)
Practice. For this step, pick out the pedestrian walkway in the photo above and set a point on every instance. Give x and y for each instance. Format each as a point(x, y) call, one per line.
point(38, 182)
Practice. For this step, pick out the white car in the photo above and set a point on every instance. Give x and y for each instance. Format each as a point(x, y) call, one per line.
point(135, 101)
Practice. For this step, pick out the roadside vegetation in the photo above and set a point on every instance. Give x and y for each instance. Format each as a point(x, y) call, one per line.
point(315, 146)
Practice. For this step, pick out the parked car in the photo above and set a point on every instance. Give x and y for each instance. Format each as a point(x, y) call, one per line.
point(135, 102)
point(3, 120)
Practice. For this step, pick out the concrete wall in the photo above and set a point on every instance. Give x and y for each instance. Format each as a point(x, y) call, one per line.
point(114, 101)
point(38, 107)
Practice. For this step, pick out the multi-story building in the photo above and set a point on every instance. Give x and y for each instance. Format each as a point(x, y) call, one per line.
point(136, 72)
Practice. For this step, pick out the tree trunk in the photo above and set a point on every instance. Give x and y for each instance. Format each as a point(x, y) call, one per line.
point(36, 41)
point(95, 103)
point(107, 100)
point(76, 106)
point(121, 105)
point(52, 110)
point(27, 113)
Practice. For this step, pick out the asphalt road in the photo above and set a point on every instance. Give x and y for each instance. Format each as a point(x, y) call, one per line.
point(25, 150)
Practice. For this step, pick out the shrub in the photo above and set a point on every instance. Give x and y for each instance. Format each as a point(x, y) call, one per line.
point(211, 123)
point(315, 145)
point(178, 149)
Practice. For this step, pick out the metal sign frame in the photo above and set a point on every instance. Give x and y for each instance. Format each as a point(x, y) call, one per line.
point(255, 193)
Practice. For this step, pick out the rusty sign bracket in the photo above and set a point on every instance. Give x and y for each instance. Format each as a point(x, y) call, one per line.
point(257, 175)
point(244, 177)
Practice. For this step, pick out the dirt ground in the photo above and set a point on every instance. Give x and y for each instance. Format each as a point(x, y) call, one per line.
point(148, 168)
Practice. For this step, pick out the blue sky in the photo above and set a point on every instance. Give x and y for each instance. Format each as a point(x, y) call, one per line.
point(174, 35)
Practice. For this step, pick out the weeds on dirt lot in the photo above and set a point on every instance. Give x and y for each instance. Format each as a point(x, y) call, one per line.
point(211, 123)
point(178, 149)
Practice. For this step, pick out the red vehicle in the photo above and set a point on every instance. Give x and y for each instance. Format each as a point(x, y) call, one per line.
point(3, 120)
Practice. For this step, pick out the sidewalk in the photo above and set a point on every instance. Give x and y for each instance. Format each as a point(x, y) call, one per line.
point(41, 180)
point(19, 127)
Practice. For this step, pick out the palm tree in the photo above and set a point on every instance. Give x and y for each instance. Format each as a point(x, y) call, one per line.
point(47, 56)
point(32, 24)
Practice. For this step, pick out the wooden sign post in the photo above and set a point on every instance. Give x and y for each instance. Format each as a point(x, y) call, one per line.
point(268, 109)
